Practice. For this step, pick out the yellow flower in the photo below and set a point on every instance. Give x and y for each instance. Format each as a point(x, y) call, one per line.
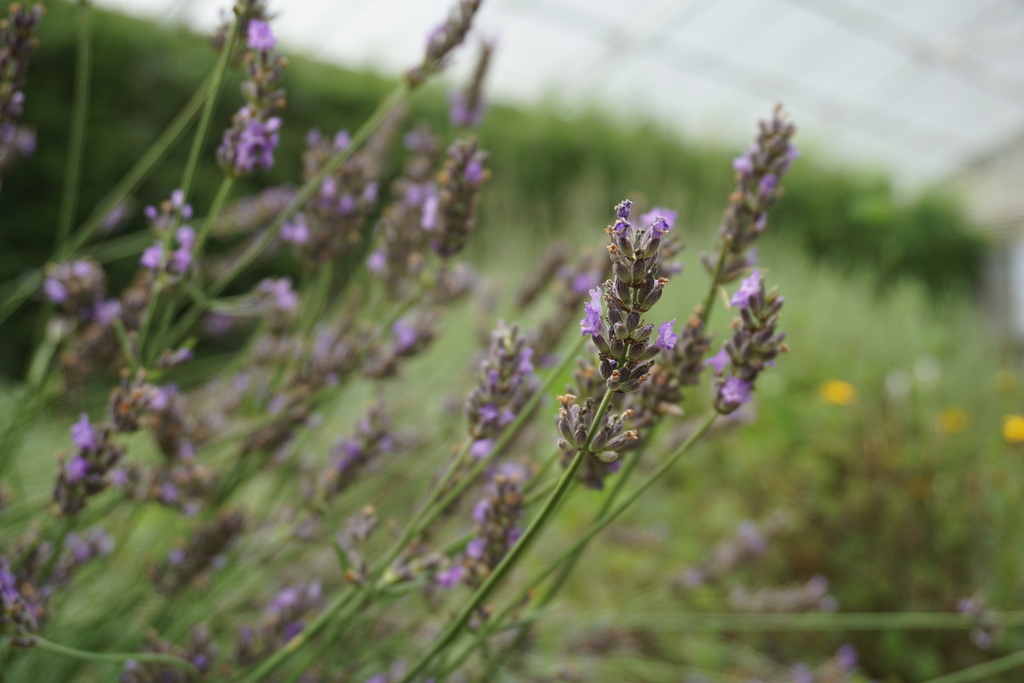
point(838, 393)
point(1013, 429)
point(952, 421)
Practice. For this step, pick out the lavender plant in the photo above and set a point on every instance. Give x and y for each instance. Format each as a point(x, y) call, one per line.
point(237, 464)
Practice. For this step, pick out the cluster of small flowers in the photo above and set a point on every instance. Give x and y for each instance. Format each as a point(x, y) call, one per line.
point(201, 652)
point(574, 423)
point(505, 385)
point(410, 335)
point(26, 588)
point(987, 627)
point(398, 257)
point(451, 216)
point(87, 472)
point(442, 40)
point(837, 669)
point(812, 595)
point(277, 302)
point(17, 42)
point(245, 12)
point(753, 346)
point(162, 220)
point(333, 221)
point(750, 541)
point(622, 339)
point(350, 456)
point(203, 551)
point(497, 518)
point(249, 144)
point(467, 108)
point(283, 618)
point(758, 172)
point(79, 290)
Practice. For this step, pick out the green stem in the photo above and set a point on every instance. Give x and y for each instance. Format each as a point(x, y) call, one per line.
point(454, 627)
point(351, 601)
point(76, 143)
point(495, 622)
point(985, 671)
point(737, 622)
point(563, 575)
point(29, 283)
point(430, 514)
point(115, 657)
point(191, 167)
point(709, 299)
point(257, 246)
point(146, 164)
point(564, 484)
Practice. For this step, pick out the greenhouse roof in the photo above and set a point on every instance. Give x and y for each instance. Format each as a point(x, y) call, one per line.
point(922, 87)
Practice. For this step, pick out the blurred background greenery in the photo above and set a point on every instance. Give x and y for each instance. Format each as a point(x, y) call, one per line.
point(886, 436)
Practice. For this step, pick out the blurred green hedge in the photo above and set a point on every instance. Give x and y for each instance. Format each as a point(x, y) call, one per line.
point(549, 172)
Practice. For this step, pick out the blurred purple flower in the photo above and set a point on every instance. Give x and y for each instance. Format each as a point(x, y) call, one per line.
point(83, 434)
point(260, 37)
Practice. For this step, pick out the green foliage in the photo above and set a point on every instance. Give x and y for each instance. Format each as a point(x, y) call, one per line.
point(553, 172)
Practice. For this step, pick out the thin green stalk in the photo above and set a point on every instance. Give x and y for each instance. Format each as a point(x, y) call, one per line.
point(709, 299)
point(191, 167)
point(563, 575)
point(738, 622)
point(985, 671)
point(115, 657)
point(432, 513)
point(79, 114)
point(350, 600)
point(454, 627)
point(495, 622)
point(30, 282)
point(256, 247)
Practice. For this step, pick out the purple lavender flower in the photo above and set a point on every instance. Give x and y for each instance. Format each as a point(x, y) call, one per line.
point(591, 323)
point(280, 293)
point(83, 434)
point(76, 469)
point(105, 312)
point(249, 144)
point(296, 231)
point(377, 262)
point(719, 361)
point(481, 448)
point(55, 291)
point(405, 335)
point(735, 392)
point(846, 657)
point(749, 287)
point(151, 256)
point(505, 384)
point(475, 172)
point(429, 219)
point(450, 578)
point(666, 338)
point(660, 219)
point(463, 114)
point(260, 37)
